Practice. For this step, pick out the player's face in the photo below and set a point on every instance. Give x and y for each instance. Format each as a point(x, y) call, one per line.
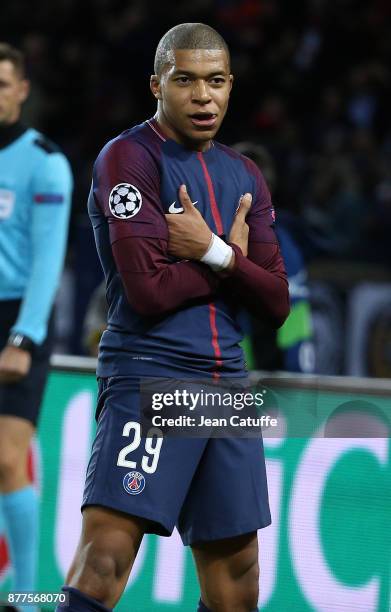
point(13, 92)
point(193, 93)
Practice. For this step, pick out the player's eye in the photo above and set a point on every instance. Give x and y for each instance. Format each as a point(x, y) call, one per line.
point(183, 80)
point(218, 80)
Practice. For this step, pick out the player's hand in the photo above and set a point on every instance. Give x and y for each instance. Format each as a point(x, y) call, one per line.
point(188, 234)
point(239, 230)
point(15, 363)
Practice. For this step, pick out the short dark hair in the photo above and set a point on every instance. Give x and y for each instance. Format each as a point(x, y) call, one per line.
point(187, 36)
point(13, 55)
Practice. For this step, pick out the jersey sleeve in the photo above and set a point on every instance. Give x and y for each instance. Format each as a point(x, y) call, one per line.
point(154, 284)
point(260, 282)
point(261, 217)
point(126, 187)
point(51, 191)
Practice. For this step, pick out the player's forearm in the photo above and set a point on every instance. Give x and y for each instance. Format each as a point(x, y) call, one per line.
point(264, 292)
point(168, 288)
point(155, 286)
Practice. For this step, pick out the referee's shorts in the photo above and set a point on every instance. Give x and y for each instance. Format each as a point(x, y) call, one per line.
point(23, 398)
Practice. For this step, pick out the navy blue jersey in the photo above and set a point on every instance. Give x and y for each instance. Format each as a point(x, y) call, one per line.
point(135, 183)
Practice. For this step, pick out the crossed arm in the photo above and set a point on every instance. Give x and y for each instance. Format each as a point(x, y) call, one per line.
point(156, 286)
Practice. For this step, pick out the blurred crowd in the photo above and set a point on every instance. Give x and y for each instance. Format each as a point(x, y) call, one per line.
point(312, 85)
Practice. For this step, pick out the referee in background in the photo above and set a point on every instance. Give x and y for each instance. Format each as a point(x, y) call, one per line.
point(35, 198)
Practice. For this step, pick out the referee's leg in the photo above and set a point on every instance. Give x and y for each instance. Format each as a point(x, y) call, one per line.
point(228, 574)
point(18, 501)
point(15, 439)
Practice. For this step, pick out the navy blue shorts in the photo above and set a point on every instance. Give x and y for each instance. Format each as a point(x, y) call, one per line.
point(209, 488)
point(23, 398)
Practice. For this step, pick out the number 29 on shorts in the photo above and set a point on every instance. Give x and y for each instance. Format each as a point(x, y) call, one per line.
point(152, 446)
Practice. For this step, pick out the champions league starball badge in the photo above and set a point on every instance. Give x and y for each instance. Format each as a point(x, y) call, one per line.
point(134, 483)
point(125, 201)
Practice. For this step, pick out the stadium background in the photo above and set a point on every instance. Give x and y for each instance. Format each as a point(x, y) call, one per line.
point(313, 85)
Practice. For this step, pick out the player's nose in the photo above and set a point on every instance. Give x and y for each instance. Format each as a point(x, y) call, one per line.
point(201, 92)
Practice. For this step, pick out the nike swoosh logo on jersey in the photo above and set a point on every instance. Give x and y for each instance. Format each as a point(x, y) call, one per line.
point(174, 210)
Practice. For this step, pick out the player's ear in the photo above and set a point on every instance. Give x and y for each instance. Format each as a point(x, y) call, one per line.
point(24, 90)
point(155, 86)
point(231, 80)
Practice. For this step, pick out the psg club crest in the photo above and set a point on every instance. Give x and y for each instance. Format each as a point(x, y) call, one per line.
point(125, 201)
point(134, 483)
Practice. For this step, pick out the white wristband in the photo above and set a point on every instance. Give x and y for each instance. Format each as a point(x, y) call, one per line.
point(218, 255)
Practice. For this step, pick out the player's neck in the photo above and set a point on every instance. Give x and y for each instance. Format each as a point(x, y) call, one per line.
point(168, 132)
point(10, 132)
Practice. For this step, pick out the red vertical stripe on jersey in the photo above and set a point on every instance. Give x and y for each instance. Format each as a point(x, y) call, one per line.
point(219, 229)
point(215, 341)
point(213, 204)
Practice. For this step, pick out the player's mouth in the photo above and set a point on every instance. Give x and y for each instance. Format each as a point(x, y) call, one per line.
point(203, 120)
